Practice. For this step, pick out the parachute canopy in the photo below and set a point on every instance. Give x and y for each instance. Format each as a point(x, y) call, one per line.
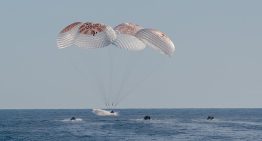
point(87, 35)
point(126, 35)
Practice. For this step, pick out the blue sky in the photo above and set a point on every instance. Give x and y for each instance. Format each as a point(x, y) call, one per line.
point(217, 62)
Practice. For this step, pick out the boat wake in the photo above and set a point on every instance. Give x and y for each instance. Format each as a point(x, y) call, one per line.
point(69, 120)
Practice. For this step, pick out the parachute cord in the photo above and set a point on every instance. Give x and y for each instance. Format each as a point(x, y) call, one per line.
point(110, 76)
point(100, 84)
point(127, 71)
point(126, 76)
point(82, 73)
point(139, 84)
point(120, 90)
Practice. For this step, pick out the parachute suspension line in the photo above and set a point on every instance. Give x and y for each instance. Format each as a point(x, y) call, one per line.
point(100, 83)
point(84, 74)
point(119, 62)
point(119, 65)
point(125, 76)
point(110, 85)
point(157, 67)
point(137, 61)
point(122, 85)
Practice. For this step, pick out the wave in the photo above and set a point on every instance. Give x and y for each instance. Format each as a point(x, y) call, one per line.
point(216, 120)
point(155, 121)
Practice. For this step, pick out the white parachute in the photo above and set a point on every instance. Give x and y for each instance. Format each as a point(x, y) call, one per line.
point(127, 36)
point(87, 35)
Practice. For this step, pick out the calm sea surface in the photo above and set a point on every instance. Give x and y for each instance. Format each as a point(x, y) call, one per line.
point(165, 124)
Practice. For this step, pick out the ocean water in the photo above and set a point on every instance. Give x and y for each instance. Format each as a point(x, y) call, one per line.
point(165, 124)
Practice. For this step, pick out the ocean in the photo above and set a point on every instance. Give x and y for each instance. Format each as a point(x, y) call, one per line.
point(129, 125)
